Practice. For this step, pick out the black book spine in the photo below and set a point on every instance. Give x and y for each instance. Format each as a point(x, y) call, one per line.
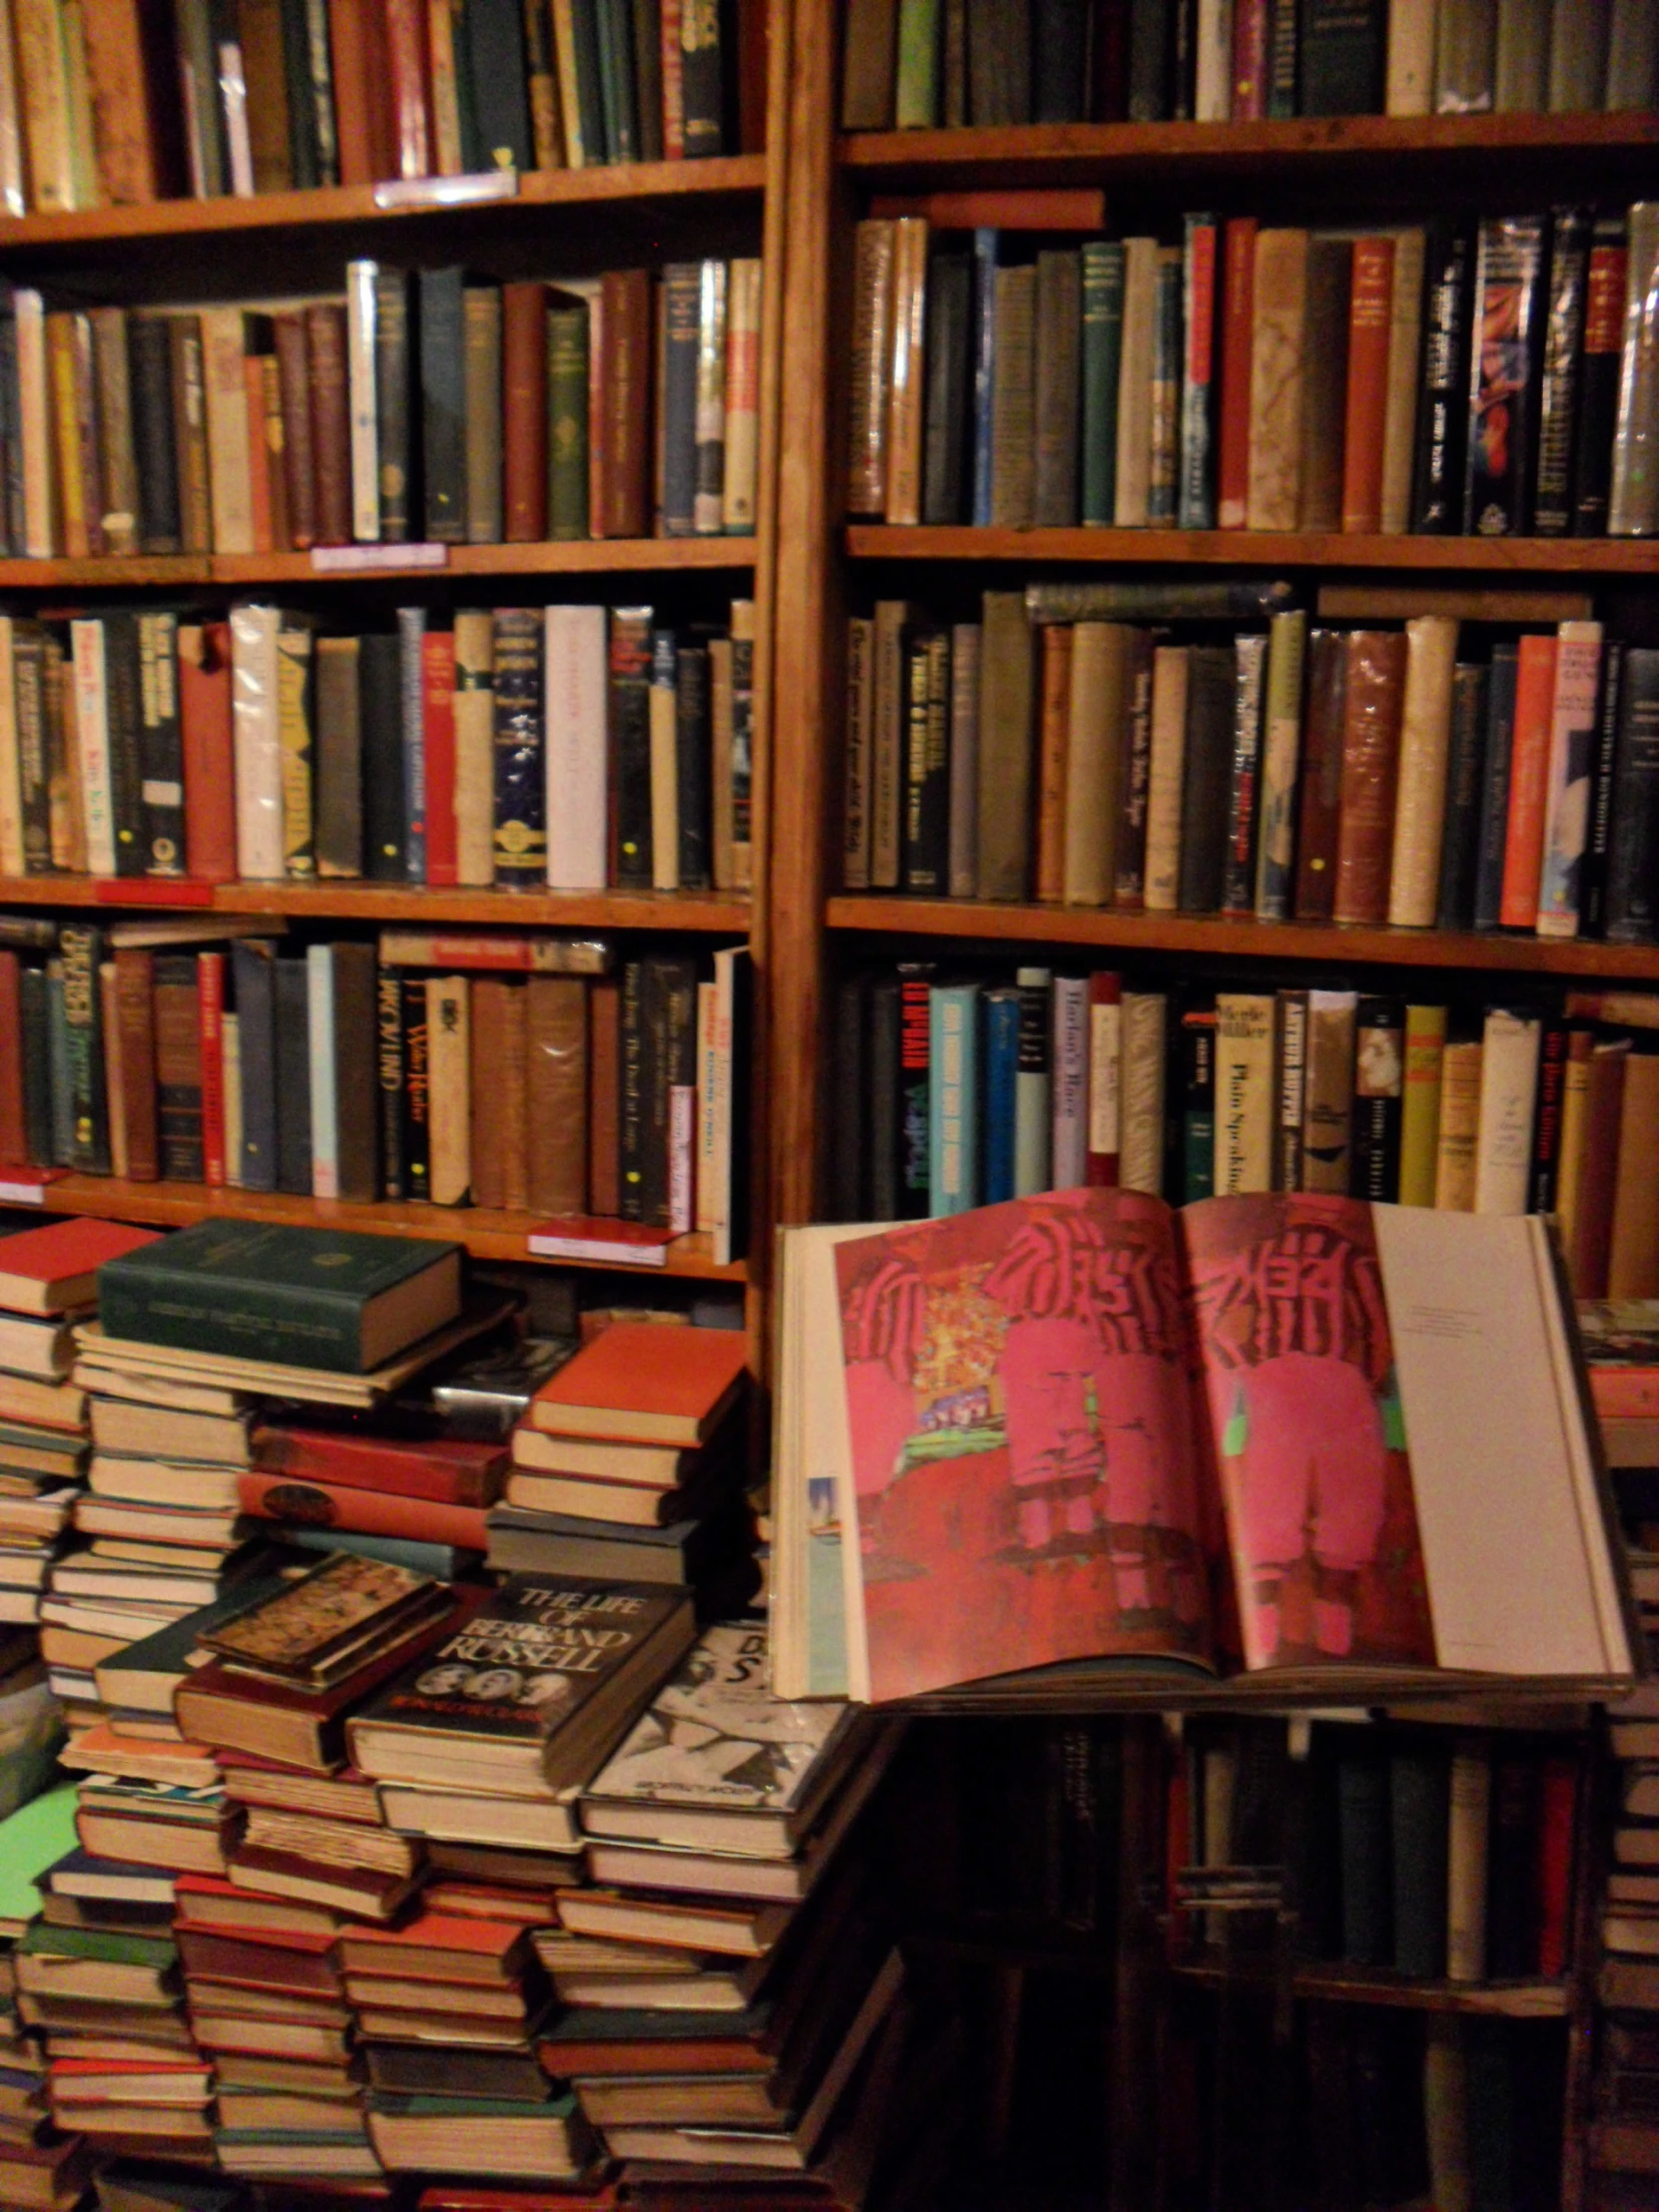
point(293, 1076)
point(1378, 1078)
point(944, 451)
point(150, 377)
point(442, 405)
point(1151, 50)
point(1598, 842)
point(415, 1139)
point(161, 745)
point(254, 974)
point(693, 761)
point(37, 1068)
point(385, 814)
point(320, 59)
point(1191, 1131)
point(648, 79)
point(1059, 61)
point(82, 950)
point(1284, 57)
point(1569, 255)
point(916, 980)
point(123, 711)
point(1238, 890)
point(388, 1026)
point(630, 720)
point(584, 19)
point(1546, 1116)
point(391, 403)
point(1494, 788)
point(296, 69)
point(671, 1071)
point(1511, 1876)
point(682, 308)
point(1342, 56)
point(926, 676)
point(1207, 770)
point(1632, 875)
point(500, 88)
point(1442, 411)
point(703, 63)
point(882, 1097)
point(34, 772)
point(851, 1129)
point(11, 432)
point(1598, 374)
point(632, 1088)
point(520, 752)
point(1503, 377)
point(1461, 840)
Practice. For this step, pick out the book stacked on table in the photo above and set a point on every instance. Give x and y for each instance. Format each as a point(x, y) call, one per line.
point(630, 1462)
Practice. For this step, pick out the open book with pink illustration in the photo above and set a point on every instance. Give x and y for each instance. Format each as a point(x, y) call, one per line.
point(1296, 1437)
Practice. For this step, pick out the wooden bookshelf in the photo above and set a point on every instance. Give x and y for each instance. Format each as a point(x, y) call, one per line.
point(487, 1234)
point(415, 906)
point(1538, 1999)
point(578, 557)
point(872, 541)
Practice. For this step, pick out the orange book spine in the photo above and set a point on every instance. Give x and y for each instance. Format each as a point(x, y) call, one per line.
point(209, 1012)
point(1369, 312)
point(362, 115)
point(363, 1512)
point(1051, 760)
point(410, 97)
point(1238, 310)
point(1528, 782)
point(205, 729)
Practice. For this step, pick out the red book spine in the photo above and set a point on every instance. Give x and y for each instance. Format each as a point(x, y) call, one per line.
point(437, 689)
point(410, 102)
point(674, 100)
point(1523, 849)
point(1100, 1170)
point(210, 771)
point(1250, 60)
point(13, 1141)
point(210, 1006)
point(362, 1513)
point(524, 410)
point(1370, 303)
point(1625, 1393)
point(1557, 1820)
point(449, 1472)
point(1236, 317)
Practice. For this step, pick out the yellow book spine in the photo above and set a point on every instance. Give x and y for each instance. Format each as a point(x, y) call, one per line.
point(1419, 1127)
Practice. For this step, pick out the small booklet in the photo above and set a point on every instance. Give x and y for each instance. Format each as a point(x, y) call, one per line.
point(1295, 1438)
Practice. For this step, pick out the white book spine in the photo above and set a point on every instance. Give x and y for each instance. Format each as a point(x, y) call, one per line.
point(1069, 1144)
point(709, 495)
point(11, 782)
point(1164, 779)
point(1567, 795)
point(1509, 1086)
point(232, 91)
point(320, 1010)
point(360, 388)
point(34, 416)
point(707, 1006)
point(230, 461)
point(1425, 745)
point(576, 748)
point(230, 1034)
point(92, 737)
point(1244, 1092)
point(1106, 1078)
point(257, 743)
point(742, 396)
point(1212, 91)
point(1281, 761)
point(1411, 82)
point(681, 1156)
point(663, 707)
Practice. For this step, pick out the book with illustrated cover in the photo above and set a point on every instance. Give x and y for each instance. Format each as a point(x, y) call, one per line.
point(1084, 1431)
point(716, 1742)
point(307, 1627)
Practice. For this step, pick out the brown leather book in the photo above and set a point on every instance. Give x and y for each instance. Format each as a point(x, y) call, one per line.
point(513, 1080)
point(136, 1016)
point(1373, 690)
point(490, 994)
point(1053, 729)
point(207, 1955)
point(331, 421)
point(604, 1097)
point(625, 381)
point(264, 73)
point(339, 799)
point(1324, 383)
point(1592, 1238)
point(362, 91)
point(118, 462)
point(754, 52)
point(132, 165)
point(1371, 305)
point(1321, 778)
point(205, 724)
point(189, 435)
point(556, 1030)
point(13, 1139)
point(1633, 1257)
point(299, 475)
point(524, 410)
point(1005, 780)
point(409, 78)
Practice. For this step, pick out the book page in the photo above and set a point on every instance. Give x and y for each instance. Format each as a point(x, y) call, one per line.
point(1520, 1578)
point(1316, 1482)
point(1019, 1418)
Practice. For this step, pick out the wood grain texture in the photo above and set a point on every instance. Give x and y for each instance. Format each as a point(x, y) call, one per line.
point(335, 900)
point(1253, 549)
point(585, 556)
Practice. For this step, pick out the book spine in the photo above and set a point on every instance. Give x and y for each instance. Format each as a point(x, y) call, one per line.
point(1547, 1115)
point(1558, 392)
point(1598, 374)
point(1195, 1130)
point(210, 1005)
point(135, 1020)
point(630, 721)
point(33, 993)
point(1145, 1058)
point(1424, 747)
point(179, 1068)
point(1135, 773)
point(1567, 795)
point(1328, 1125)
point(520, 798)
point(1196, 504)
point(925, 855)
point(1277, 377)
point(1419, 1118)
point(872, 324)
point(416, 1132)
point(1166, 777)
point(1069, 1062)
point(1289, 1088)
point(1460, 848)
point(524, 413)
point(1249, 681)
point(1012, 398)
point(1458, 1138)
point(1467, 1853)
point(388, 1063)
point(1053, 725)
point(437, 709)
point(1244, 1092)
point(1164, 461)
point(1503, 380)
point(1633, 502)
point(1005, 717)
point(1362, 1845)
point(1632, 904)
point(708, 413)
point(1371, 703)
point(1104, 1114)
point(295, 717)
point(985, 250)
point(568, 329)
point(443, 413)
point(1530, 753)
point(82, 953)
point(360, 340)
point(1059, 316)
point(1102, 349)
point(1282, 745)
point(906, 375)
point(953, 1143)
point(1509, 1090)
point(701, 79)
point(1001, 1063)
point(1592, 895)
point(963, 837)
point(390, 400)
point(665, 777)
point(449, 1110)
point(1443, 410)
point(1093, 762)
point(482, 436)
point(1033, 1084)
point(625, 445)
point(681, 287)
point(577, 746)
point(92, 731)
point(1369, 304)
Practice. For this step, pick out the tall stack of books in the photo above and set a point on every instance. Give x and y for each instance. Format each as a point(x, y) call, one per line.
point(39, 2166)
point(629, 1463)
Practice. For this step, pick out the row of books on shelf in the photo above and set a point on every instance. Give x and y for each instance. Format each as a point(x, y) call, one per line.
point(432, 406)
point(1490, 378)
point(574, 747)
point(932, 63)
point(1437, 775)
point(123, 104)
point(350, 1071)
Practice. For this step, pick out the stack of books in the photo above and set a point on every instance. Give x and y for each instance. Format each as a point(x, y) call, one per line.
point(48, 1280)
point(39, 2166)
point(728, 1976)
point(630, 1462)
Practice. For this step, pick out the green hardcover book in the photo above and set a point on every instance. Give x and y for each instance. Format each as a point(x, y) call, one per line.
point(311, 1297)
point(57, 1060)
point(1102, 354)
point(1419, 1810)
point(83, 953)
point(567, 415)
point(917, 88)
point(118, 1949)
point(32, 1838)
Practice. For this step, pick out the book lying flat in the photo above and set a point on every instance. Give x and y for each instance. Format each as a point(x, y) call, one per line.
point(1082, 1432)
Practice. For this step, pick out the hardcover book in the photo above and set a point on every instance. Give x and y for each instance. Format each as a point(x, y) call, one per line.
point(343, 1602)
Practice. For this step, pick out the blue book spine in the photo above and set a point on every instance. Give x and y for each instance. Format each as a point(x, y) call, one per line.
point(984, 370)
point(953, 1101)
point(411, 631)
point(1198, 487)
point(445, 1561)
point(1001, 1065)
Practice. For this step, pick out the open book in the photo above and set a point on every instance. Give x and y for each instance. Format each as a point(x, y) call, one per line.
point(1298, 1437)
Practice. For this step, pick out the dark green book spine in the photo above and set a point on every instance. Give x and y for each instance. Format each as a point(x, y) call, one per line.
point(648, 79)
point(254, 972)
point(1494, 786)
point(631, 1089)
point(150, 378)
point(34, 772)
point(584, 20)
point(1206, 774)
point(1196, 1078)
point(616, 78)
point(630, 720)
point(296, 71)
point(415, 1135)
point(320, 69)
point(386, 815)
point(1378, 1078)
point(294, 1077)
point(444, 405)
point(1419, 1810)
point(703, 76)
point(520, 792)
point(57, 1060)
point(1362, 1820)
point(944, 450)
point(1460, 839)
point(161, 745)
point(37, 1068)
point(1283, 51)
point(567, 409)
point(392, 402)
point(501, 86)
point(123, 713)
point(693, 761)
point(388, 1023)
point(1060, 61)
point(1342, 44)
point(82, 951)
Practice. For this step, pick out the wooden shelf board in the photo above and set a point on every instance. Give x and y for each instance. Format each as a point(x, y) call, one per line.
point(487, 1235)
point(576, 557)
point(1045, 153)
point(1343, 1985)
point(341, 204)
point(1245, 940)
point(716, 912)
point(1255, 549)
